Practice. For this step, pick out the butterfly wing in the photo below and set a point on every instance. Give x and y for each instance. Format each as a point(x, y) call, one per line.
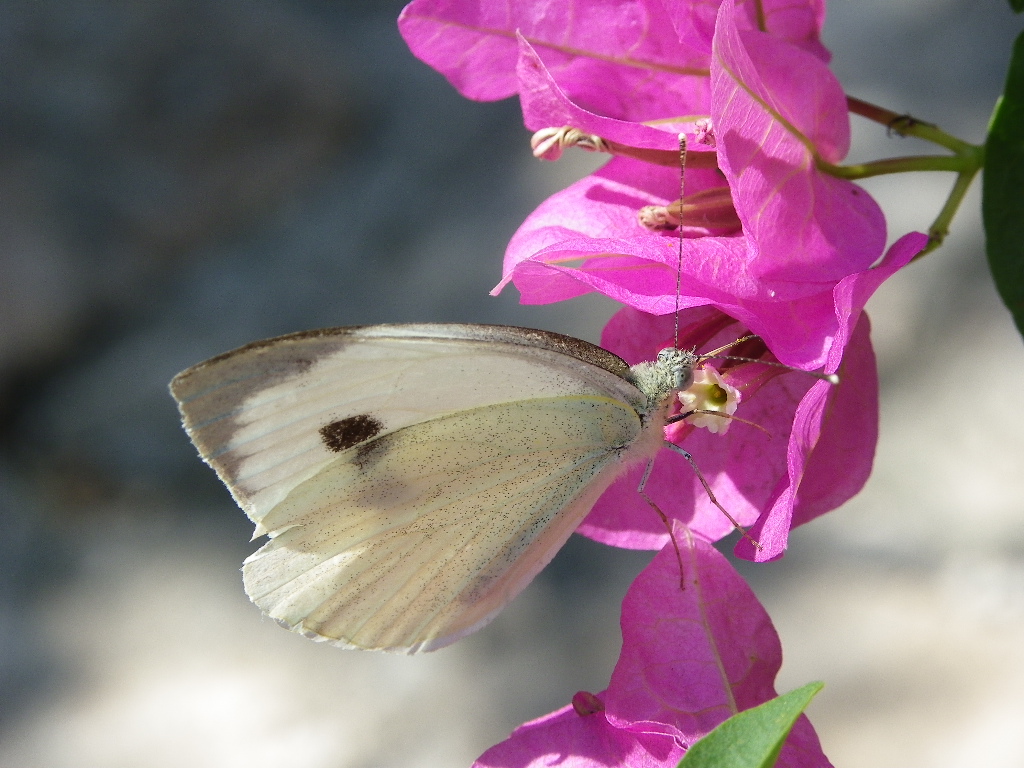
point(329, 440)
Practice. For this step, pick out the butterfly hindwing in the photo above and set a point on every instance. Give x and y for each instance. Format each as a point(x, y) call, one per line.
point(425, 536)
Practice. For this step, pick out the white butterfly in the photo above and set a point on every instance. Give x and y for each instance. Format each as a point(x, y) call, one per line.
point(413, 479)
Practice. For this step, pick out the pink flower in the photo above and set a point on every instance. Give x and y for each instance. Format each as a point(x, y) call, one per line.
point(770, 234)
point(628, 59)
point(766, 243)
point(768, 240)
point(776, 111)
point(692, 656)
point(586, 223)
point(772, 476)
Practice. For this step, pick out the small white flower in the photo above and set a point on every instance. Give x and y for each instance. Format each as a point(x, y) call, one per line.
point(709, 395)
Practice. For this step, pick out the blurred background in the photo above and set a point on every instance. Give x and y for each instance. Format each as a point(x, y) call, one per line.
point(179, 177)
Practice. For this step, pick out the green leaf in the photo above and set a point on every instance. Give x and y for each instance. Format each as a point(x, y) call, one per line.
point(1002, 191)
point(1017, 5)
point(753, 738)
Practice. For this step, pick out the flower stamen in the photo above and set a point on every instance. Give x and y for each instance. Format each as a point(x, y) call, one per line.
point(709, 209)
point(550, 143)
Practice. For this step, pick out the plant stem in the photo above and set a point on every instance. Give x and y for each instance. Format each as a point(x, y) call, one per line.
point(897, 165)
point(966, 160)
point(905, 125)
point(940, 227)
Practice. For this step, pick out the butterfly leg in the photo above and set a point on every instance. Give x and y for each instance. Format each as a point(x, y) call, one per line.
point(664, 519)
point(707, 489)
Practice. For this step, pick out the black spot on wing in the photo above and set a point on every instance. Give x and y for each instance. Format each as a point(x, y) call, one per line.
point(344, 433)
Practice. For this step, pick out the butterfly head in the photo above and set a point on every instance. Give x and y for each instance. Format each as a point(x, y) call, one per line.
point(671, 372)
point(676, 366)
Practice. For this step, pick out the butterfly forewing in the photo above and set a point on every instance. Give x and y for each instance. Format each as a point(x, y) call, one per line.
point(256, 414)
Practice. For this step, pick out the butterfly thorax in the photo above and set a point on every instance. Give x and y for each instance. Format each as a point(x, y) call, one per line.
point(662, 378)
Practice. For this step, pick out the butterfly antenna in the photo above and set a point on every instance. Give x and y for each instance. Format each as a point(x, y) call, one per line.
point(679, 258)
point(831, 378)
point(730, 345)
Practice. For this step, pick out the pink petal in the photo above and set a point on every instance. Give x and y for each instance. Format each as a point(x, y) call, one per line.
point(597, 216)
point(777, 81)
point(546, 105)
point(565, 738)
point(693, 655)
point(812, 332)
point(851, 294)
point(835, 429)
point(847, 436)
point(632, 60)
point(773, 106)
point(838, 428)
point(619, 59)
point(586, 238)
point(799, 23)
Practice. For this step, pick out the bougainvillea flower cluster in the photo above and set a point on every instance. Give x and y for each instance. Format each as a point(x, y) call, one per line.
point(690, 658)
point(778, 470)
point(757, 237)
point(803, 259)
